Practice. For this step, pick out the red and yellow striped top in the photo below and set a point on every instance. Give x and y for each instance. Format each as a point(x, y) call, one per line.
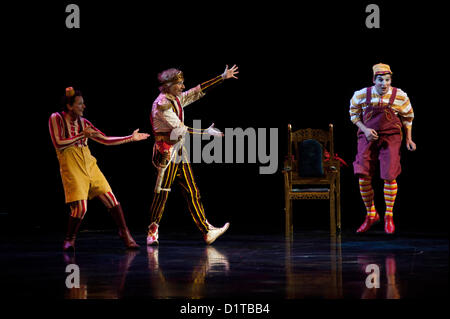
point(65, 133)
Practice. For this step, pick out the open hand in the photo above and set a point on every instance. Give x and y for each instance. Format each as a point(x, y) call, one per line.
point(213, 131)
point(230, 73)
point(139, 136)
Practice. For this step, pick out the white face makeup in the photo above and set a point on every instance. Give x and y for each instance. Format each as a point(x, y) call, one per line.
point(382, 83)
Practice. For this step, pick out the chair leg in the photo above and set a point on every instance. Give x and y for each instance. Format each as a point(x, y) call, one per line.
point(332, 213)
point(338, 209)
point(291, 229)
point(288, 219)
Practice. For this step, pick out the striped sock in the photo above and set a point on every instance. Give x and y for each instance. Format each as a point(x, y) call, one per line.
point(390, 192)
point(108, 199)
point(366, 190)
point(78, 209)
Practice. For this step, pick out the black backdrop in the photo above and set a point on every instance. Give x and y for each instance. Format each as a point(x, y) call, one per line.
point(298, 64)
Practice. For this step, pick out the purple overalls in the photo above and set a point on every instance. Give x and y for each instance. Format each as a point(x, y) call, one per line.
point(386, 149)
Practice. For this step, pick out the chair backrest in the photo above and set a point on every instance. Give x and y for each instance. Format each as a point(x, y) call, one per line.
point(310, 146)
point(309, 154)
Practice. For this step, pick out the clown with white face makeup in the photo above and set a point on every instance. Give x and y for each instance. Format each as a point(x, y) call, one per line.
point(380, 112)
point(167, 120)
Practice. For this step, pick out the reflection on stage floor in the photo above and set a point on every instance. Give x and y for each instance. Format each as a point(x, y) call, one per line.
point(313, 265)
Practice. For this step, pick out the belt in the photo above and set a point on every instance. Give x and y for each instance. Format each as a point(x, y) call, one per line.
point(162, 133)
point(165, 137)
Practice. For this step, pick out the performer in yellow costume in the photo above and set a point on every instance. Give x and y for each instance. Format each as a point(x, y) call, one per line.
point(81, 177)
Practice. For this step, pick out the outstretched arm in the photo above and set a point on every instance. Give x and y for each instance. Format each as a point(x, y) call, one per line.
point(227, 74)
point(95, 134)
point(197, 92)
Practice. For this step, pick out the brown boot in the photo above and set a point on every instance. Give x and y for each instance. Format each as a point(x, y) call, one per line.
point(124, 233)
point(72, 229)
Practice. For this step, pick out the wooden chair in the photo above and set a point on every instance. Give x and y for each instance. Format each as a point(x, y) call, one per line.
point(315, 185)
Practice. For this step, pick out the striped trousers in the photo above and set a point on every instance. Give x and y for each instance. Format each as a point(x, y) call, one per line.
point(182, 173)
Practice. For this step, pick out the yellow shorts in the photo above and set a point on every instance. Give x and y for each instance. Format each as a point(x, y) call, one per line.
point(81, 177)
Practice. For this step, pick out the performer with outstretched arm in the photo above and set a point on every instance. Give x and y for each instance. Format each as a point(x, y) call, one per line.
point(379, 112)
point(81, 177)
point(167, 120)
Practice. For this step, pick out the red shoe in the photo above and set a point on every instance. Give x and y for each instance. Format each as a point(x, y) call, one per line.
point(389, 226)
point(72, 229)
point(368, 222)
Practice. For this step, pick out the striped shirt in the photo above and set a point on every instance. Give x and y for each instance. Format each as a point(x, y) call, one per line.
point(401, 107)
point(65, 132)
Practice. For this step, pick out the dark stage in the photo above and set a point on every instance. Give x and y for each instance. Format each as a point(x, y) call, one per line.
point(263, 267)
point(299, 65)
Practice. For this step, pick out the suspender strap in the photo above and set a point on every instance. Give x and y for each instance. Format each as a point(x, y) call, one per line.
point(66, 133)
point(180, 109)
point(80, 125)
point(174, 107)
point(368, 95)
point(392, 99)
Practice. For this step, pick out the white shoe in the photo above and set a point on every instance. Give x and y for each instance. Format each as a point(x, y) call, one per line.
point(215, 260)
point(153, 260)
point(214, 233)
point(152, 235)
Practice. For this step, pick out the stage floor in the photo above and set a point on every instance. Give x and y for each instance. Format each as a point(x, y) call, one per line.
point(313, 265)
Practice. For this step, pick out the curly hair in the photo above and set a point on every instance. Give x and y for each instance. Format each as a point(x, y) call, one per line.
point(166, 77)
